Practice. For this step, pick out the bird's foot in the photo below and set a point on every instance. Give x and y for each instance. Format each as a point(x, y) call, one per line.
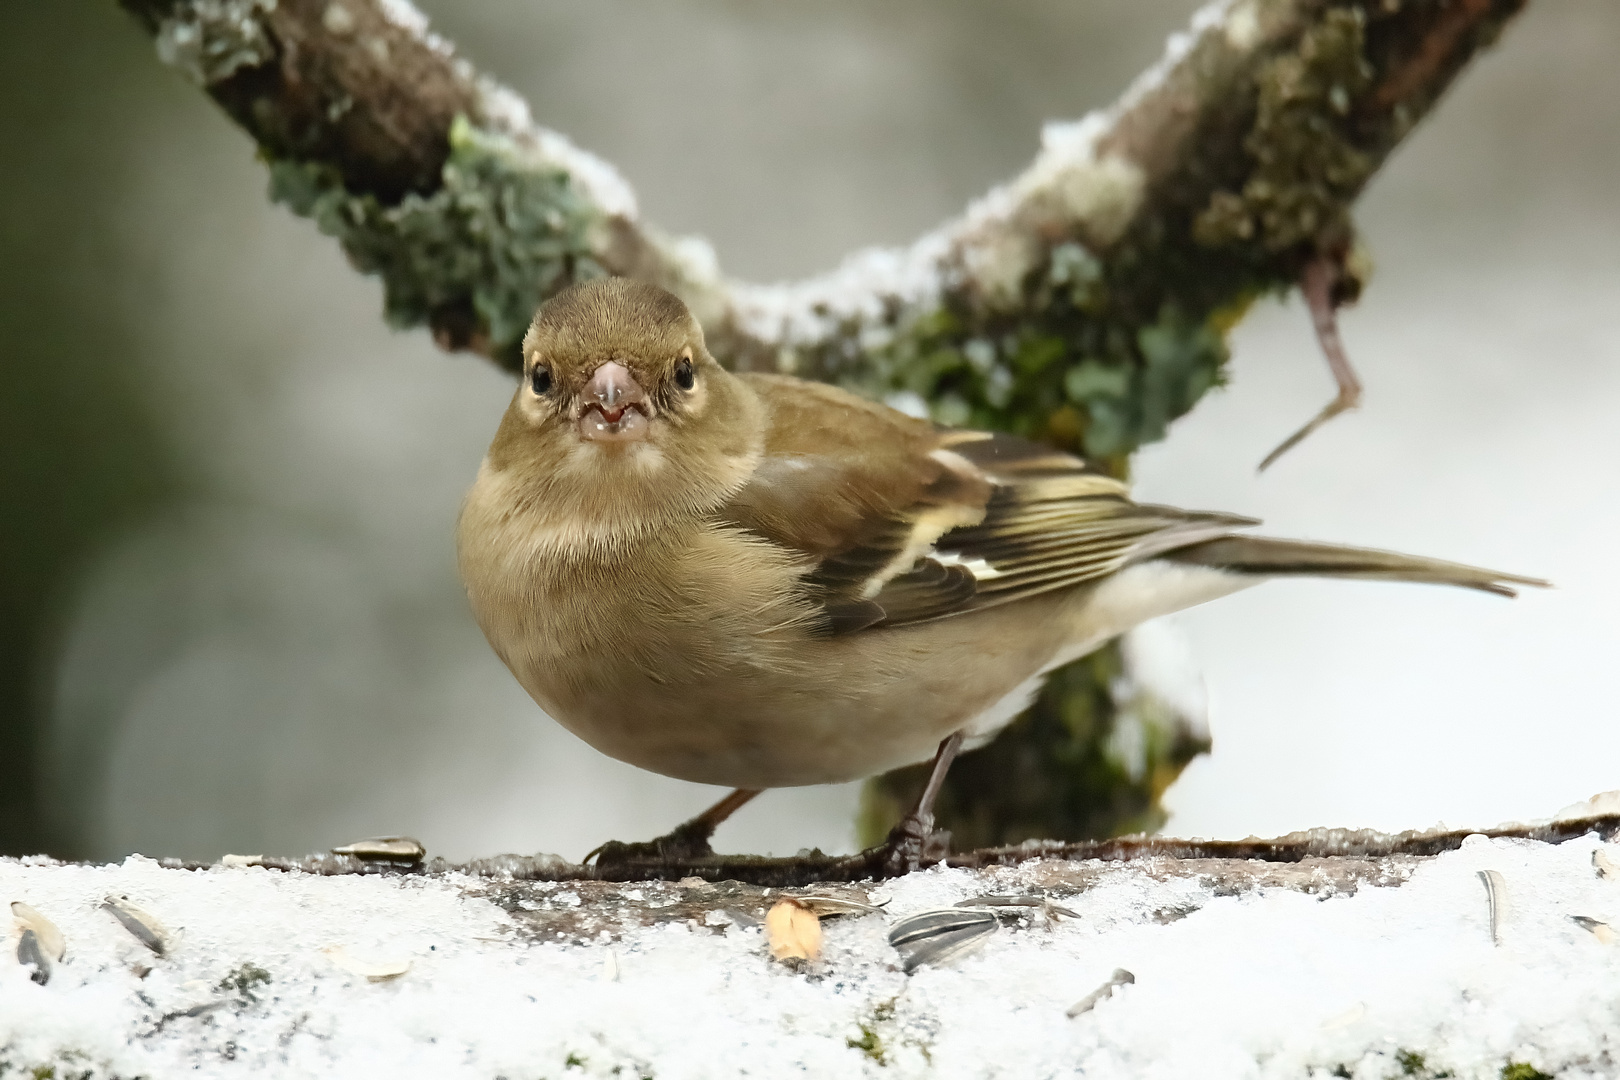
point(912, 844)
point(683, 843)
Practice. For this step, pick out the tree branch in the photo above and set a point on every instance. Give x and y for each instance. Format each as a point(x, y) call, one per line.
point(815, 868)
point(1086, 301)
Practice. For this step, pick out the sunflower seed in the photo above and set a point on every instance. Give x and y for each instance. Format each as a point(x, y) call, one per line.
point(141, 924)
point(935, 937)
point(1121, 977)
point(1600, 930)
point(1604, 865)
point(1496, 901)
point(31, 954)
point(49, 937)
point(385, 849)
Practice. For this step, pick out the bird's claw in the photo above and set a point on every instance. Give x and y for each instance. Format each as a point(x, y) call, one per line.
point(913, 844)
point(683, 843)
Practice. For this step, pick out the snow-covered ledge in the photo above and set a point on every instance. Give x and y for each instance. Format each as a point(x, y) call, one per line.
point(1491, 960)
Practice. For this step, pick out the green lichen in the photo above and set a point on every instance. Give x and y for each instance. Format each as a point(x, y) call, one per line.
point(242, 980)
point(209, 40)
point(1411, 1063)
point(869, 1044)
point(1519, 1070)
point(69, 1065)
point(1307, 168)
point(1084, 380)
point(503, 231)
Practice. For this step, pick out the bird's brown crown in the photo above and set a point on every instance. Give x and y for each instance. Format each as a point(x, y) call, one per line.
point(613, 320)
point(623, 419)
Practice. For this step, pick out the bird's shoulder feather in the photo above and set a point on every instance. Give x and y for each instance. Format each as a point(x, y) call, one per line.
point(906, 521)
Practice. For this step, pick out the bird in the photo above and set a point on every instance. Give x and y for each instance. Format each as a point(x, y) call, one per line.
point(758, 581)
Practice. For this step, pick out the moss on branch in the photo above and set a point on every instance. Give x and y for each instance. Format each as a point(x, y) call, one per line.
point(473, 258)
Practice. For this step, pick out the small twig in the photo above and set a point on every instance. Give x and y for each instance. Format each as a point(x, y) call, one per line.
point(1317, 283)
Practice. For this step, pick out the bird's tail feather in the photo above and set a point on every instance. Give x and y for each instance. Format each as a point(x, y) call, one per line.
point(1260, 555)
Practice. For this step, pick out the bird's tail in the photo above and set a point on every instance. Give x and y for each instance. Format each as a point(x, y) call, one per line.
point(1263, 556)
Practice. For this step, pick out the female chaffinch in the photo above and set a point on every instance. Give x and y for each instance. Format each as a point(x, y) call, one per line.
point(758, 581)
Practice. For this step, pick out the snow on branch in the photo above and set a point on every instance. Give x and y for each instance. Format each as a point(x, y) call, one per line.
point(1085, 301)
point(1495, 959)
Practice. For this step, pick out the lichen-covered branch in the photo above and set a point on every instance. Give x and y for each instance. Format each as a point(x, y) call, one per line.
point(813, 867)
point(1085, 302)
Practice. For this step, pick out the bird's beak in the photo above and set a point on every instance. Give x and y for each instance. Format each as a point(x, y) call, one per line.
point(613, 406)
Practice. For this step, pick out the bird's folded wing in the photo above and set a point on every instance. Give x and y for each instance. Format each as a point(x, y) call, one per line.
point(906, 521)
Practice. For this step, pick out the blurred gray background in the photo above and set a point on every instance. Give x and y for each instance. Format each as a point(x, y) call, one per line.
point(229, 618)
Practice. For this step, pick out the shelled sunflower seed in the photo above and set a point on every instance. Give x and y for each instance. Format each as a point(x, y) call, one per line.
point(793, 931)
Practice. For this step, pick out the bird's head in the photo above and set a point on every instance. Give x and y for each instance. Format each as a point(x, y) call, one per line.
point(620, 402)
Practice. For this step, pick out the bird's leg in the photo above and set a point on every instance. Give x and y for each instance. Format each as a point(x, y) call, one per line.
point(914, 839)
point(688, 840)
point(1317, 283)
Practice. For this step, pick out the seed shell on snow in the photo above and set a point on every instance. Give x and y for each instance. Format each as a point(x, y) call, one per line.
point(1048, 908)
point(1604, 865)
point(371, 970)
point(1495, 901)
point(31, 954)
point(1598, 929)
point(1121, 977)
point(50, 938)
point(828, 906)
point(142, 925)
point(936, 937)
point(385, 849)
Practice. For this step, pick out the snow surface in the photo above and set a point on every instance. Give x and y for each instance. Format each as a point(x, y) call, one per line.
point(1266, 982)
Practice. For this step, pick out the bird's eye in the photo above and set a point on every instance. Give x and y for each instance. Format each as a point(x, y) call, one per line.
point(685, 377)
point(540, 380)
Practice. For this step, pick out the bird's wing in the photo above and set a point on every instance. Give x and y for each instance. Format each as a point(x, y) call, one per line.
point(906, 521)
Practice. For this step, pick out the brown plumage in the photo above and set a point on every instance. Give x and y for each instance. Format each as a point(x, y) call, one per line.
point(758, 581)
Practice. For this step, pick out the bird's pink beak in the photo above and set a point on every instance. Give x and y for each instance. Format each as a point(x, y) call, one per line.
point(613, 406)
